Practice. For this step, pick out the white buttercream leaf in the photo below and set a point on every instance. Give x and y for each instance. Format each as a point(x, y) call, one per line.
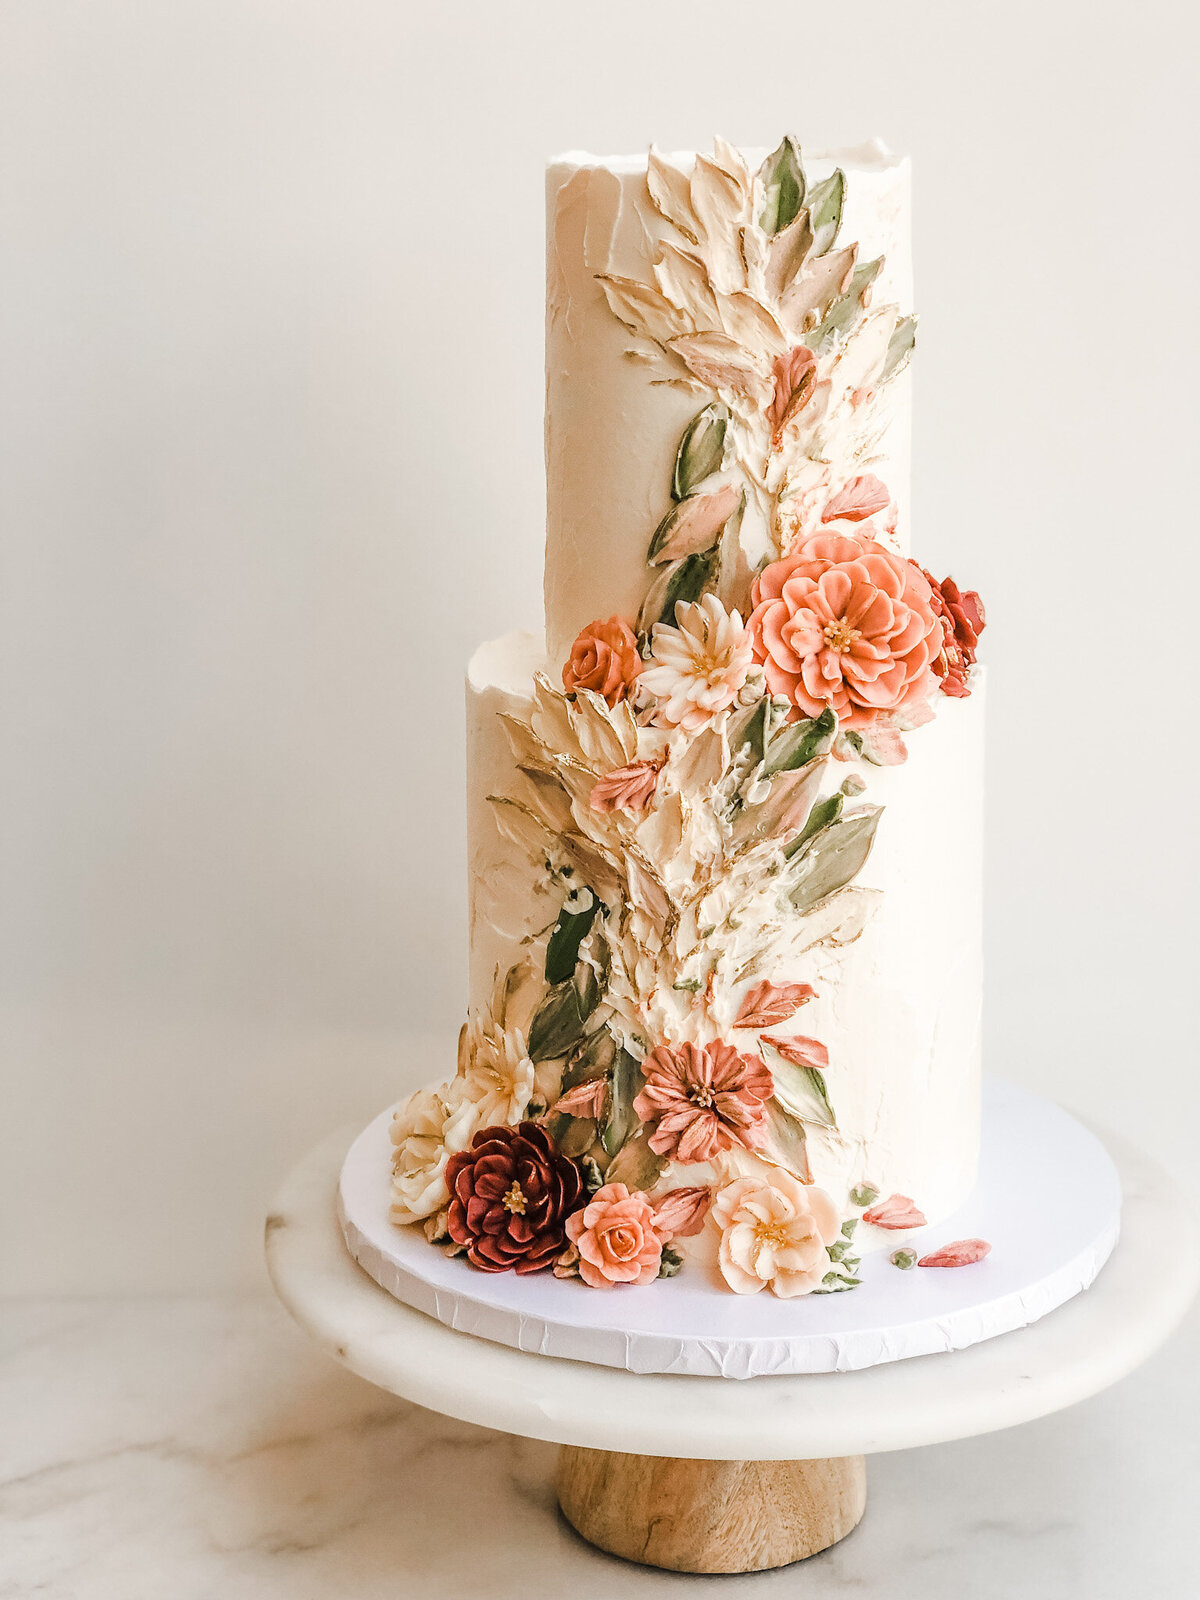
point(722, 363)
point(683, 279)
point(670, 192)
point(750, 323)
point(642, 308)
point(811, 294)
point(786, 255)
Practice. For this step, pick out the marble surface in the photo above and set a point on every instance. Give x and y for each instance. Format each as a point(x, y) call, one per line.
point(208, 1450)
point(1075, 1351)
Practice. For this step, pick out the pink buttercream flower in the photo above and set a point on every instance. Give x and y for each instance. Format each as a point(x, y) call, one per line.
point(963, 620)
point(702, 1099)
point(605, 659)
point(628, 788)
point(616, 1238)
point(843, 622)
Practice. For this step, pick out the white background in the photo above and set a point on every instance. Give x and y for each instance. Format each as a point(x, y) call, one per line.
point(270, 423)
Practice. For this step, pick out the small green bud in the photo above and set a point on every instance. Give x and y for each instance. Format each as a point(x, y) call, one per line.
point(903, 1259)
point(864, 1194)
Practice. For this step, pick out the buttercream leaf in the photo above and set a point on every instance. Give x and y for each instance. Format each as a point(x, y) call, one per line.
point(844, 310)
point(748, 322)
point(897, 1212)
point(729, 158)
point(786, 805)
point(783, 186)
point(900, 348)
point(717, 199)
point(584, 1100)
point(569, 932)
point(785, 1144)
point(546, 798)
point(833, 857)
point(623, 1120)
point(810, 295)
point(722, 363)
point(560, 1019)
point(795, 375)
point(683, 279)
point(825, 202)
point(641, 307)
point(857, 500)
point(681, 580)
point(680, 1213)
point(669, 190)
point(701, 450)
point(802, 1051)
point(786, 255)
point(962, 1253)
point(635, 1164)
point(824, 813)
point(800, 1090)
point(767, 1004)
point(693, 524)
point(797, 743)
point(517, 824)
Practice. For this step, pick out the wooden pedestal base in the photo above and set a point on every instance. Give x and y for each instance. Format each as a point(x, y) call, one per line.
point(710, 1516)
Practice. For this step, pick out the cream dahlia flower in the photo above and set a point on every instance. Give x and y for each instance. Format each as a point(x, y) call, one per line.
point(496, 1074)
point(773, 1234)
point(697, 668)
point(426, 1132)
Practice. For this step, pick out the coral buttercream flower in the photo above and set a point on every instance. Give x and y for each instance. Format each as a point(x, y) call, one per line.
point(774, 1234)
point(616, 1238)
point(843, 622)
point(697, 668)
point(510, 1195)
point(628, 788)
point(426, 1131)
point(604, 659)
point(963, 620)
point(702, 1099)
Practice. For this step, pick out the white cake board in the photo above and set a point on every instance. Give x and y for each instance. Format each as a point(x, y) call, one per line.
point(1078, 1350)
point(1048, 1200)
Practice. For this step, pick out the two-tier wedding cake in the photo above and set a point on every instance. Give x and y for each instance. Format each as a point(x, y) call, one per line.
point(725, 819)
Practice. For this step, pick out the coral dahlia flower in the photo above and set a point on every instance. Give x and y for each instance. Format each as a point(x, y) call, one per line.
point(702, 1099)
point(843, 622)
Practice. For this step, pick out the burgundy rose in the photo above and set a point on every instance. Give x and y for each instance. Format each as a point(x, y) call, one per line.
point(510, 1196)
point(963, 620)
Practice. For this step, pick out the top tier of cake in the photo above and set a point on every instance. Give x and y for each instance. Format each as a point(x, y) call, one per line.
point(618, 400)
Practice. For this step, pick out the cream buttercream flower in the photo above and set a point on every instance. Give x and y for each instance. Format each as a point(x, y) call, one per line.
point(496, 1074)
point(426, 1131)
point(773, 1234)
point(697, 668)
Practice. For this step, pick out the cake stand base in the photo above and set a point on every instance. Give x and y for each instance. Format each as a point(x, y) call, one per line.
point(710, 1516)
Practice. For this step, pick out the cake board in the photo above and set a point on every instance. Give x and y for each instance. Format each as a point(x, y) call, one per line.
point(702, 1474)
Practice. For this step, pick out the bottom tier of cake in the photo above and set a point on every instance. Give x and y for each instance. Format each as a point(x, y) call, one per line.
point(897, 969)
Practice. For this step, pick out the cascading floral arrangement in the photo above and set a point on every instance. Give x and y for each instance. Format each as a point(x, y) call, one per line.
point(639, 1075)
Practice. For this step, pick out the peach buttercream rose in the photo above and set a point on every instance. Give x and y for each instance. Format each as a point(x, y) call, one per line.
point(616, 1238)
point(605, 659)
point(773, 1234)
point(843, 622)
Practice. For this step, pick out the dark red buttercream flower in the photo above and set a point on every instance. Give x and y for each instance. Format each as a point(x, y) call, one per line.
point(510, 1195)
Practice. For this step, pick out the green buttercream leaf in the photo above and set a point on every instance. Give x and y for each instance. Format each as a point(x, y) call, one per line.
point(569, 933)
point(783, 181)
point(801, 1090)
point(900, 348)
point(845, 309)
point(627, 1081)
point(671, 1262)
point(559, 1021)
point(825, 202)
point(832, 858)
point(682, 580)
point(701, 450)
point(635, 1164)
point(821, 816)
point(797, 743)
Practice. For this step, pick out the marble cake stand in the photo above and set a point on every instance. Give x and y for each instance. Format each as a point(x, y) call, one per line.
point(701, 1474)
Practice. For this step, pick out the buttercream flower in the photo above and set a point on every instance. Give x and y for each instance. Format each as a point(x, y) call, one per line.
point(616, 1238)
point(843, 622)
point(426, 1131)
point(628, 788)
point(963, 620)
point(605, 659)
point(773, 1234)
point(510, 1195)
point(496, 1074)
point(702, 1099)
point(698, 667)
